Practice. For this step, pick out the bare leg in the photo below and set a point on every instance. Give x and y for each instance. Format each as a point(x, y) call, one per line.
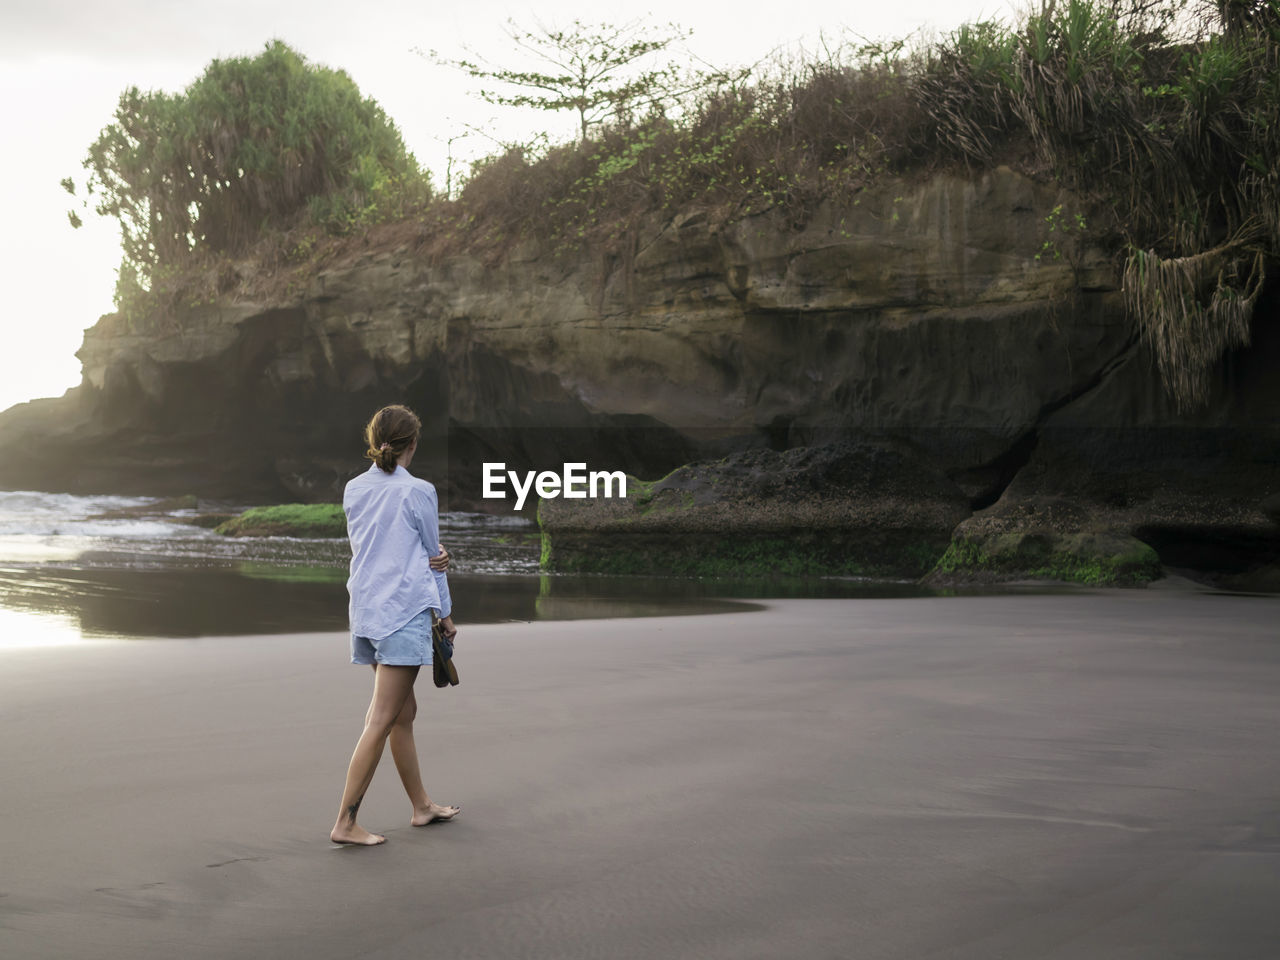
point(392, 686)
point(405, 753)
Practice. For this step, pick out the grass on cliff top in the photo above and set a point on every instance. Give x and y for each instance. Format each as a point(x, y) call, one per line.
point(1154, 105)
point(288, 520)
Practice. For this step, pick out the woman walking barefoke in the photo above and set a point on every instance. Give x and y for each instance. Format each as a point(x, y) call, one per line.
point(398, 586)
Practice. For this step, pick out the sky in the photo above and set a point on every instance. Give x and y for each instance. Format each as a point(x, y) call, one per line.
point(64, 64)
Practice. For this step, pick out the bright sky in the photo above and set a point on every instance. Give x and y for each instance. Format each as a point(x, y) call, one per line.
point(64, 63)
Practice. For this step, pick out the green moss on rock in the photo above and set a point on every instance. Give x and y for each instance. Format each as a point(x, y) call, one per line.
point(1096, 557)
point(801, 553)
point(873, 508)
point(288, 520)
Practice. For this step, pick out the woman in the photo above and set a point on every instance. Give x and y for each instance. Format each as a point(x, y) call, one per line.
point(397, 586)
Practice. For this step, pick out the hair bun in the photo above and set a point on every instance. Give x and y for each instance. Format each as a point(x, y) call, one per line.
point(391, 432)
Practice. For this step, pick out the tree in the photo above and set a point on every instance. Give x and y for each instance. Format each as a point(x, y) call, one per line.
point(1238, 16)
point(250, 145)
point(588, 68)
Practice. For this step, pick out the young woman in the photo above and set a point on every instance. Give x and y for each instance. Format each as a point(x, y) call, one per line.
point(397, 586)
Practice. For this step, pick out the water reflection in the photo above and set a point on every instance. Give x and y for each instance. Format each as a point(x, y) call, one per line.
point(254, 598)
point(20, 629)
point(251, 597)
point(112, 602)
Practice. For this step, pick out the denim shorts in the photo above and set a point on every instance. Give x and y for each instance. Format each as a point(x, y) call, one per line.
point(410, 646)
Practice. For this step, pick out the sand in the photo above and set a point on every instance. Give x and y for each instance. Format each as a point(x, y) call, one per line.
point(1069, 776)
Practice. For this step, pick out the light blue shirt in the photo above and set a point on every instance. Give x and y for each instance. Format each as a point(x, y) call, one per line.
point(394, 528)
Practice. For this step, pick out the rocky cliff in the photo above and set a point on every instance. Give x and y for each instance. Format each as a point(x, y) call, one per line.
point(919, 316)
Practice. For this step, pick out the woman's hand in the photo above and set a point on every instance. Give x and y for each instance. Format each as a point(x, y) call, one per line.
point(447, 627)
point(441, 560)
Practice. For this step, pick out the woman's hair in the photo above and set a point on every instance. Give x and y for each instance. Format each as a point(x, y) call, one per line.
point(390, 433)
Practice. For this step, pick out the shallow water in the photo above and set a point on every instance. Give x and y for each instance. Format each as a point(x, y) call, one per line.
point(77, 568)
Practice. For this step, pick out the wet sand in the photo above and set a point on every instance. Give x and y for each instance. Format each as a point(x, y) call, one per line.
point(1078, 776)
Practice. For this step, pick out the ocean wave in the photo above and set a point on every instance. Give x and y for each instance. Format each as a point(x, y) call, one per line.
point(145, 532)
point(482, 521)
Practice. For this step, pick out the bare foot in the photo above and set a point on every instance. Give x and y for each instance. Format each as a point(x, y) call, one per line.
point(432, 813)
point(356, 834)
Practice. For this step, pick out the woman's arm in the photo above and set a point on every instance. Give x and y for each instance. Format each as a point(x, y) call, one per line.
point(428, 522)
point(439, 566)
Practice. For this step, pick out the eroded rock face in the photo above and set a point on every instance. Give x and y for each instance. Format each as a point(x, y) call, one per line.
point(1200, 487)
point(920, 313)
point(919, 317)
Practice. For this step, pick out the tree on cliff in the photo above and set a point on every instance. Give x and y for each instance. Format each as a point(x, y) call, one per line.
point(587, 68)
point(253, 144)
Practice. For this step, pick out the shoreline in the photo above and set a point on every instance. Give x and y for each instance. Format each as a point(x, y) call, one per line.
point(967, 778)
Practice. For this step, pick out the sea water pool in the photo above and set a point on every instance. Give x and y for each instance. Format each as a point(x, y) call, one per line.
point(77, 568)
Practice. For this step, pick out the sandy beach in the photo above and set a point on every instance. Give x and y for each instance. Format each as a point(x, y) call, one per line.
point(1063, 776)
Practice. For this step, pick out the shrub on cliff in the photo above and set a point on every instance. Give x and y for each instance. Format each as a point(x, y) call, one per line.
point(1173, 121)
point(801, 133)
point(1165, 111)
point(253, 145)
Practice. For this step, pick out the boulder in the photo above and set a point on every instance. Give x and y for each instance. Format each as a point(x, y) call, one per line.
point(878, 507)
point(1043, 538)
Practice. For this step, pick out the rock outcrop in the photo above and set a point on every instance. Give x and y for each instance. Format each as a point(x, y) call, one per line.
point(919, 316)
point(1197, 487)
point(871, 508)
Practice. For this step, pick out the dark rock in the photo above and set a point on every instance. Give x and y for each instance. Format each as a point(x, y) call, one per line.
point(1261, 579)
point(877, 507)
point(1198, 487)
point(154, 509)
point(1270, 507)
point(208, 521)
point(1043, 538)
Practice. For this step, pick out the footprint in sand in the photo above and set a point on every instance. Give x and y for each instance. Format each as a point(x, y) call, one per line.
point(237, 860)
